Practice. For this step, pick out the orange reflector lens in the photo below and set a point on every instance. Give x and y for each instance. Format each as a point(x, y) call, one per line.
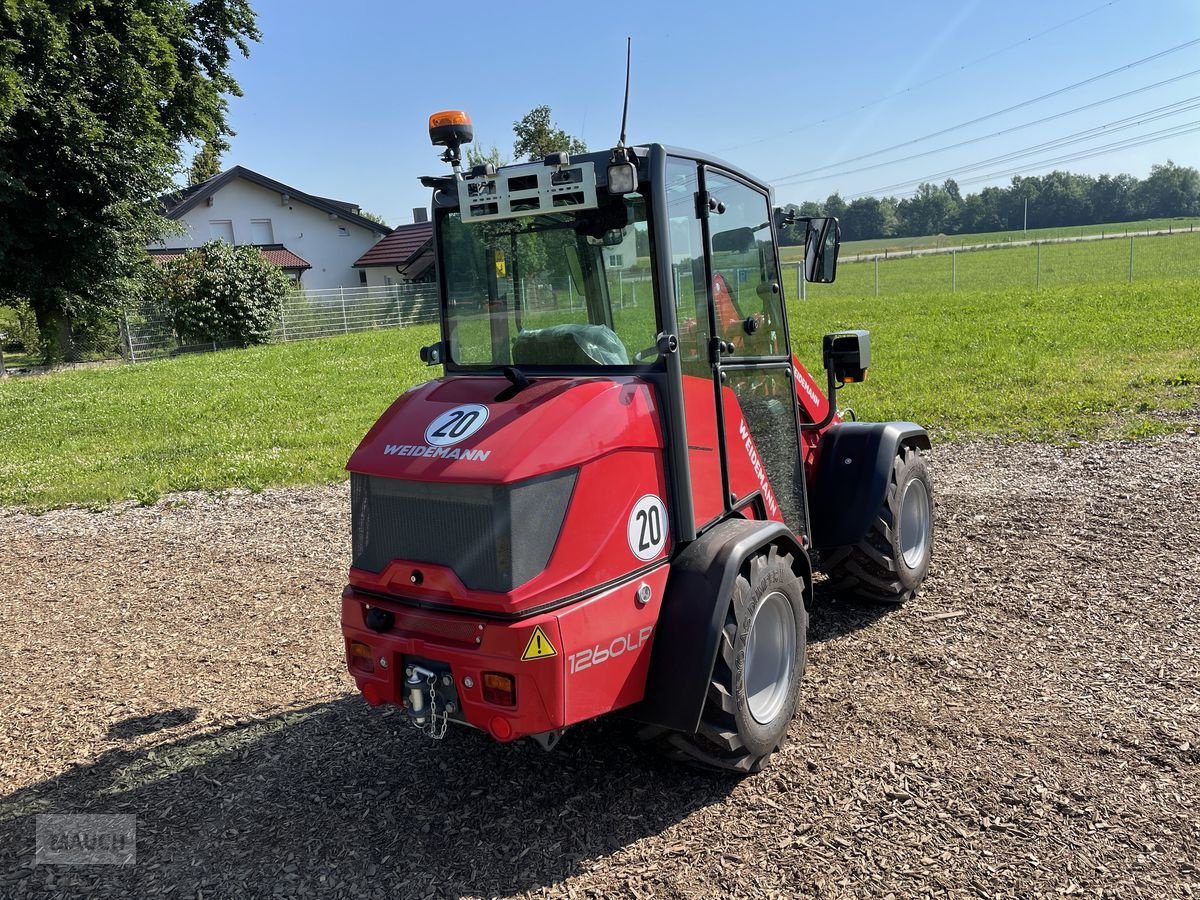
point(499, 688)
point(449, 117)
point(360, 656)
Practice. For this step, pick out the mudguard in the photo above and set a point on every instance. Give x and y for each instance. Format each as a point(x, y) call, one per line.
point(693, 612)
point(854, 465)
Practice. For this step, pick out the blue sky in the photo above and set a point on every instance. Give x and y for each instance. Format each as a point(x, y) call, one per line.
point(337, 96)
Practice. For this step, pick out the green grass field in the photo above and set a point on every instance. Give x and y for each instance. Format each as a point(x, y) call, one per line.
point(1165, 256)
point(903, 244)
point(1059, 363)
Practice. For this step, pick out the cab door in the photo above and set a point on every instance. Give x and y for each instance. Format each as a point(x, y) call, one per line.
point(751, 363)
point(693, 314)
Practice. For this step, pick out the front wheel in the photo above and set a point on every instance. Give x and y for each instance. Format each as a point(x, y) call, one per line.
point(890, 563)
point(754, 688)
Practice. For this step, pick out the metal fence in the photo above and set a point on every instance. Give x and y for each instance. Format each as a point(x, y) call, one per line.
point(146, 331)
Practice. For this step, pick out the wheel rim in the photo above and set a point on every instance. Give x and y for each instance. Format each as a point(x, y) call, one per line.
point(914, 523)
point(770, 656)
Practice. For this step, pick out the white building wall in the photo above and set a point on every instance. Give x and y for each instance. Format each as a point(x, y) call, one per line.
point(329, 245)
point(381, 275)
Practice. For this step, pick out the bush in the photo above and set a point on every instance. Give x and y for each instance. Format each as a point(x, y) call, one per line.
point(19, 322)
point(219, 293)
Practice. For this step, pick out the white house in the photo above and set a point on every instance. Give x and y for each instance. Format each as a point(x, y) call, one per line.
point(314, 239)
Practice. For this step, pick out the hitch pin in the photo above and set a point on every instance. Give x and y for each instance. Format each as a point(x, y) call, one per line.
point(417, 678)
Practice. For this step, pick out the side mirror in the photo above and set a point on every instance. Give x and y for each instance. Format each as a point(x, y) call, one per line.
point(432, 355)
point(821, 243)
point(847, 355)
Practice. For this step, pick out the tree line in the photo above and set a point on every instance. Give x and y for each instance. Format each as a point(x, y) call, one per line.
point(1055, 200)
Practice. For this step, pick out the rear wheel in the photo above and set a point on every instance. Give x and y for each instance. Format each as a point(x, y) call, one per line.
point(754, 687)
point(890, 563)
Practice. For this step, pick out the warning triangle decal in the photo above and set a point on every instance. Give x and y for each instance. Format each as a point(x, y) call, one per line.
point(539, 646)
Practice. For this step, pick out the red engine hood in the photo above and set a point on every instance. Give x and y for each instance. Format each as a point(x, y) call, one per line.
point(553, 424)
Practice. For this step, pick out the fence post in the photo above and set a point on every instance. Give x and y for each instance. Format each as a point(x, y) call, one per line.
point(1131, 260)
point(127, 334)
point(1037, 279)
point(876, 276)
point(953, 271)
point(621, 286)
point(800, 279)
point(342, 294)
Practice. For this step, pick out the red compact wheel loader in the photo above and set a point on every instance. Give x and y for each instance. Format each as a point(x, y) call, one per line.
point(614, 497)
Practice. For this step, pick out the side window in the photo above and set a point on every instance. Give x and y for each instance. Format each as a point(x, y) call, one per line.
point(687, 266)
point(746, 290)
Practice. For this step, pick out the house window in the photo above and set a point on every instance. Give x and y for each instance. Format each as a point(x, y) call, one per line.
point(343, 231)
point(362, 276)
point(616, 259)
point(221, 230)
point(261, 231)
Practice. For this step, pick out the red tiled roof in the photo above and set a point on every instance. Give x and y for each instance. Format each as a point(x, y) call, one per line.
point(275, 253)
point(398, 247)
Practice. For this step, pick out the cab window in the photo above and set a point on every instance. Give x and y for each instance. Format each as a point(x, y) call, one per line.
point(746, 292)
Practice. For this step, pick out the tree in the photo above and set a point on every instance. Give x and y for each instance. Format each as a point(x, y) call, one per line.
point(869, 217)
point(1171, 190)
point(538, 137)
point(374, 217)
point(477, 157)
point(931, 211)
point(96, 100)
point(207, 161)
point(223, 293)
point(834, 206)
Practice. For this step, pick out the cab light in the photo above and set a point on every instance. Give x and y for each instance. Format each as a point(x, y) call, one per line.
point(451, 128)
point(360, 657)
point(499, 688)
point(449, 117)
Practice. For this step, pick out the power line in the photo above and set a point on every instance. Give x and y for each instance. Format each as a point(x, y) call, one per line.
point(1128, 143)
point(891, 162)
point(993, 115)
point(928, 81)
point(1153, 115)
point(1153, 138)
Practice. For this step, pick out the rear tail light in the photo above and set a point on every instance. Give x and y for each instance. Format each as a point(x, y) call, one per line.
point(360, 657)
point(499, 688)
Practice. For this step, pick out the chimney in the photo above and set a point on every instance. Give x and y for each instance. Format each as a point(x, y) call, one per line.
point(420, 214)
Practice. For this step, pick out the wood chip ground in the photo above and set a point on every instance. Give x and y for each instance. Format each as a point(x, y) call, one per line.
point(1029, 726)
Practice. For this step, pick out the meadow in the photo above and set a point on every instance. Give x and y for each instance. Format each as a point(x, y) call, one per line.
point(1062, 363)
point(1162, 256)
point(894, 245)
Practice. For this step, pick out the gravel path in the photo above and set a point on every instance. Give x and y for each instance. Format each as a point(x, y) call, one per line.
point(1028, 726)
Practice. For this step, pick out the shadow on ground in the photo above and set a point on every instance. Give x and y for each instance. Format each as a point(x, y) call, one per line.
point(339, 795)
point(830, 618)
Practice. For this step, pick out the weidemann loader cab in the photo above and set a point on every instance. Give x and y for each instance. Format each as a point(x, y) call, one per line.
point(611, 499)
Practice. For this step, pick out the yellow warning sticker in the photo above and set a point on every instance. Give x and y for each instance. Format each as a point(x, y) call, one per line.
point(539, 646)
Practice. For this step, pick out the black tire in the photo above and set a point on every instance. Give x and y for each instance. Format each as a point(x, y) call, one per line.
point(878, 569)
point(730, 738)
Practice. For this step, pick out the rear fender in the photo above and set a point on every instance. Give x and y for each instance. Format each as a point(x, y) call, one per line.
point(854, 466)
point(694, 607)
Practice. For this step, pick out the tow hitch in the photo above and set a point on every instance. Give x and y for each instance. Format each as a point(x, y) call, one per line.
point(427, 708)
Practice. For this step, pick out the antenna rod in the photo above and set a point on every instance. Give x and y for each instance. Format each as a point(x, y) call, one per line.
point(625, 111)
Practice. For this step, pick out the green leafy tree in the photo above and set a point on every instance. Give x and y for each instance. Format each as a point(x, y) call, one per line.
point(1171, 190)
point(96, 100)
point(538, 137)
point(477, 156)
point(207, 161)
point(223, 293)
